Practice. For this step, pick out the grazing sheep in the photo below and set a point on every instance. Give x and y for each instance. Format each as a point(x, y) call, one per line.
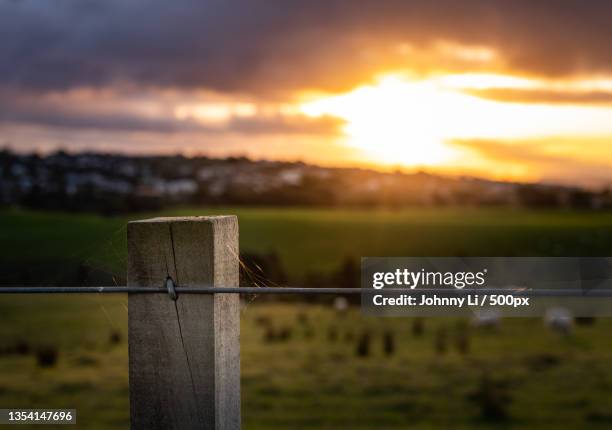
point(22, 347)
point(487, 318)
point(585, 321)
point(388, 343)
point(418, 327)
point(363, 345)
point(263, 321)
point(269, 335)
point(559, 320)
point(284, 334)
point(46, 356)
point(340, 305)
point(115, 337)
point(441, 340)
point(493, 399)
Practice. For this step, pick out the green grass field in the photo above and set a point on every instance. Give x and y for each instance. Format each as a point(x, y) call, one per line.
point(307, 239)
point(537, 378)
point(519, 376)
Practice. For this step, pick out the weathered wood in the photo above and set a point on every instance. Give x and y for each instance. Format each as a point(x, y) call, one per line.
point(184, 354)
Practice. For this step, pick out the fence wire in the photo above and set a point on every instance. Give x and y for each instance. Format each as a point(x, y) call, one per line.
point(302, 291)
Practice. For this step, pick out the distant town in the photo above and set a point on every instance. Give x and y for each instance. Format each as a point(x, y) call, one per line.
point(113, 184)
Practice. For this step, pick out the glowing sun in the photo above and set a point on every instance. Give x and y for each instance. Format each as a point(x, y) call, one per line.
point(393, 121)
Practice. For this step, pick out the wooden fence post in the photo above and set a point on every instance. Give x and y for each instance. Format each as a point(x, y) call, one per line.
point(184, 354)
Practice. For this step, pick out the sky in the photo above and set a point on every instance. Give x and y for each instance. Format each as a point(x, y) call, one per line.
point(508, 90)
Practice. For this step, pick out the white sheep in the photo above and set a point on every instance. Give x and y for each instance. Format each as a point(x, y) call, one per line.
point(559, 320)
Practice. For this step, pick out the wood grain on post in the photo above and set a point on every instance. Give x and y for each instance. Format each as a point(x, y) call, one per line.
point(184, 354)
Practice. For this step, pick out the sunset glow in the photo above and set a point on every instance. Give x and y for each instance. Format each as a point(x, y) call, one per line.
point(416, 122)
point(503, 91)
point(406, 114)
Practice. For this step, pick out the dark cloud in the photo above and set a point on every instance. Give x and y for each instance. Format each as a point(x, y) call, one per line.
point(265, 47)
point(50, 114)
point(95, 121)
